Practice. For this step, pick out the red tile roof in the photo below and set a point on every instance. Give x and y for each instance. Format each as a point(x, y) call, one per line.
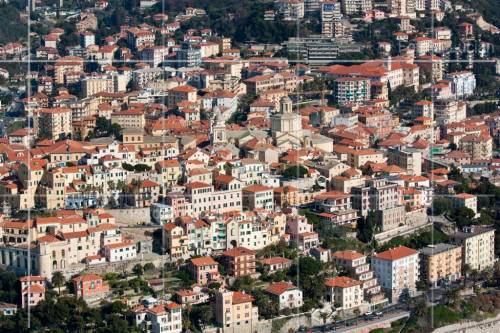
point(342, 282)
point(396, 253)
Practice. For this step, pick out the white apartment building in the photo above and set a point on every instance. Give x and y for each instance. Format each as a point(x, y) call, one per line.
point(247, 170)
point(330, 14)
point(462, 83)
point(397, 270)
point(162, 318)
point(350, 7)
point(258, 196)
point(125, 250)
point(478, 246)
point(203, 197)
point(291, 9)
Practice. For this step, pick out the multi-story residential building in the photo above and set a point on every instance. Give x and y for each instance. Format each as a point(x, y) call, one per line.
point(350, 7)
point(234, 309)
point(462, 83)
point(465, 200)
point(116, 252)
point(397, 270)
point(203, 197)
point(356, 264)
point(408, 159)
point(432, 66)
point(63, 242)
point(92, 85)
point(258, 196)
point(203, 270)
point(286, 295)
point(301, 232)
point(351, 90)
point(169, 171)
point(154, 55)
point(423, 109)
point(32, 290)
point(247, 170)
point(65, 66)
point(330, 15)
point(344, 293)
point(129, 118)
point(142, 193)
point(440, 263)
point(175, 241)
point(358, 158)
point(478, 246)
point(479, 147)
point(290, 9)
point(189, 55)
point(238, 261)
point(180, 94)
point(90, 286)
point(335, 208)
point(161, 318)
point(139, 39)
point(402, 8)
point(377, 194)
point(53, 123)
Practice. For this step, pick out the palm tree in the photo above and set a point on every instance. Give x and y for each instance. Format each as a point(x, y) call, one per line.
point(466, 269)
point(474, 275)
point(420, 308)
point(324, 316)
point(335, 318)
point(452, 297)
point(58, 280)
point(357, 312)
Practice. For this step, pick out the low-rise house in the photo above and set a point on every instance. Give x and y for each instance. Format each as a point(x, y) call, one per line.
point(90, 286)
point(161, 318)
point(203, 270)
point(7, 309)
point(286, 294)
point(275, 264)
point(125, 250)
point(32, 290)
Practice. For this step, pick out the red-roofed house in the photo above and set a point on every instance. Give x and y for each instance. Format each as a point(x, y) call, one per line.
point(286, 294)
point(344, 292)
point(90, 286)
point(204, 270)
point(32, 290)
point(233, 309)
point(238, 261)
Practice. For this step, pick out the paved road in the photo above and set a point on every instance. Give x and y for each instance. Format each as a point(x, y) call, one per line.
point(391, 313)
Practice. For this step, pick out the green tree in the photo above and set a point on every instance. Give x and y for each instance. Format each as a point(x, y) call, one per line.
point(138, 270)
point(148, 267)
point(441, 205)
point(295, 171)
point(366, 227)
